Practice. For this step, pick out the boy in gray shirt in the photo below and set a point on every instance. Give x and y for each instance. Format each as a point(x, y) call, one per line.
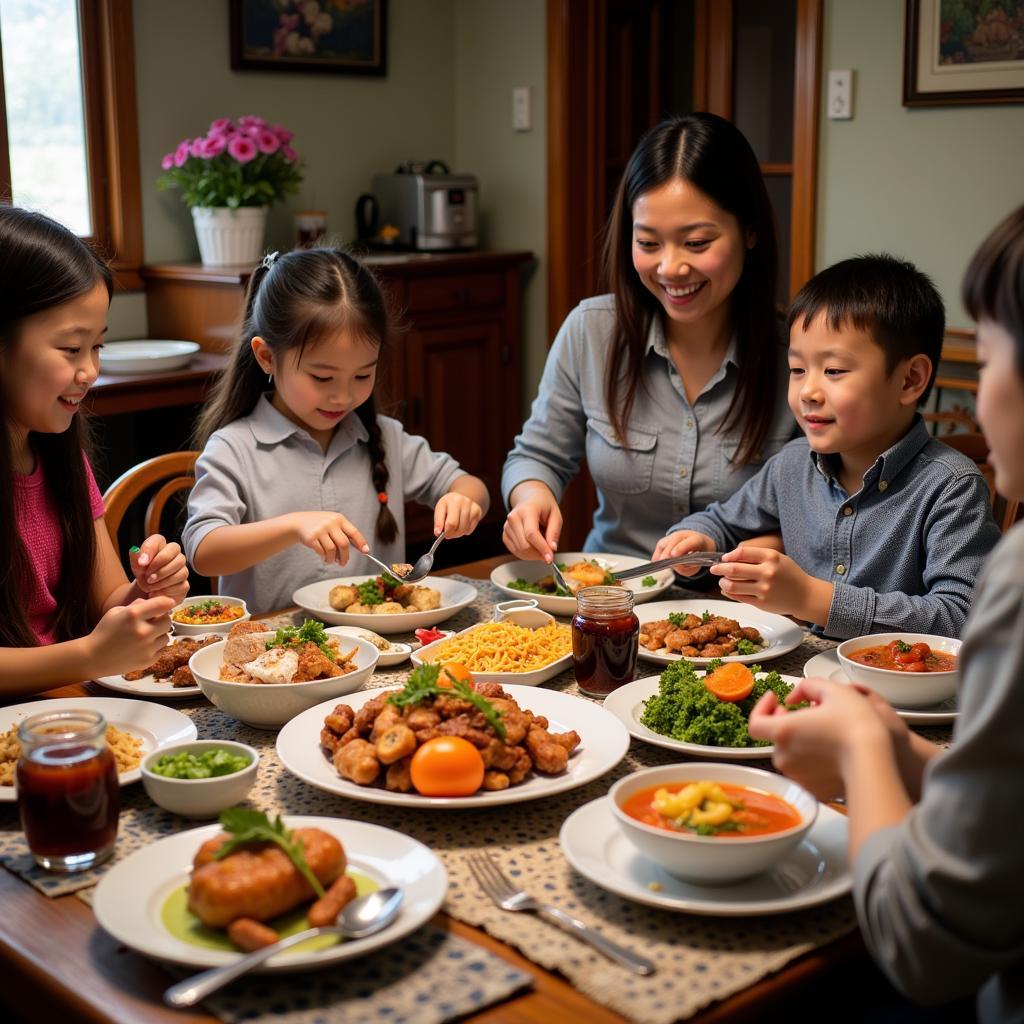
point(884, 527)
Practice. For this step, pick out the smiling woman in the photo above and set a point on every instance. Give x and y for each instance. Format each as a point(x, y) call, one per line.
point(672, 387)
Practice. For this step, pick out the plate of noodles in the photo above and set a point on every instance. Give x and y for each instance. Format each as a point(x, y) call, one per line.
point(505, 652)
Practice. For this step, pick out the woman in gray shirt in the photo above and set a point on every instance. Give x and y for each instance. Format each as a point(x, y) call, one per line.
point(674, 386)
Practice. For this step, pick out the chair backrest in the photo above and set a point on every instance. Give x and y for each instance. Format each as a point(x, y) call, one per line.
point(175, 471)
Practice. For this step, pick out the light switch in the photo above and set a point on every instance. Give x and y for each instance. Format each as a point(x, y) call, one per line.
point(840, 95)
point(521, 114)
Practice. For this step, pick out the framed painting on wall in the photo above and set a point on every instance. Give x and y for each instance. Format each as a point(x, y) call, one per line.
point(341, 36)
point(963, 52)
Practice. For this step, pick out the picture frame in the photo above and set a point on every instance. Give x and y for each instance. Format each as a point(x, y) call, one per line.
point(954, 54)
point(345, 37)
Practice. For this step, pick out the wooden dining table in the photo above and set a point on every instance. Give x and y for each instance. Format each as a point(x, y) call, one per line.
point(58, 964)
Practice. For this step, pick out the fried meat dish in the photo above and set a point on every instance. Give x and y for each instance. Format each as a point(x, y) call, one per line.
point(172, 662)
point(383, 597)
point(693, 636)
point(248, 659)
point(376, 743)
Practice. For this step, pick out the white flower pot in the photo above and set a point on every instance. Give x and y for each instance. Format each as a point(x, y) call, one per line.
point(229, 236)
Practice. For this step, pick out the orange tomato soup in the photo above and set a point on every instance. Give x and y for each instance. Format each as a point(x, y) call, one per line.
point(760, 813)
point(903, 657)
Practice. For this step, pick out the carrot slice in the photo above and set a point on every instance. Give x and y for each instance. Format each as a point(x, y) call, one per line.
point(732, 682)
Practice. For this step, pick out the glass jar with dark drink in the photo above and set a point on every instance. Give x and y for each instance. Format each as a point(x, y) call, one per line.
point(605, 637)
point(68, 792)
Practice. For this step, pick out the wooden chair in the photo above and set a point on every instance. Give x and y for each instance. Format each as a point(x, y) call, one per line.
point(174, 472)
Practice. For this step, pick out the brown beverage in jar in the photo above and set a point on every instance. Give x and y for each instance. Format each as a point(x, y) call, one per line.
point(605, 638)
point(68, 792)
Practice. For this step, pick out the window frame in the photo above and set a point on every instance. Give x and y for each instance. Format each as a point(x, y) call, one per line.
point(111, 137)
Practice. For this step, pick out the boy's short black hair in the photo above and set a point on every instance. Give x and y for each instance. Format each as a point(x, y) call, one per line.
point(993, 287)
point(886, 297)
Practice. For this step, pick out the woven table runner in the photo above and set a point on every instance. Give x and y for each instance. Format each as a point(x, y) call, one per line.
point(699, 959)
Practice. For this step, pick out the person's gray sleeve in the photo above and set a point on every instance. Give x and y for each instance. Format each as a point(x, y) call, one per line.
point(427, 475)
point(940, 897)
point(553, 440)
point(218, 497)
point(749, 512)
point(959, 534)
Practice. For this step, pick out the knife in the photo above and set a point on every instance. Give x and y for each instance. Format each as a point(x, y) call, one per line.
point(704, 558)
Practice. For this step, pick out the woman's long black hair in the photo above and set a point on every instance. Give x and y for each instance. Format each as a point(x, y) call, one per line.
point(712, 155)
point(296, 300)
point(42, 265)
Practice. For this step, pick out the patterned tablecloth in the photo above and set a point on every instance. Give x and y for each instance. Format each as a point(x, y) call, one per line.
point(699, 959)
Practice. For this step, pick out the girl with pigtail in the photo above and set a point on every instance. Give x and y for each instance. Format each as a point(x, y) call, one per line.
point(297, 468)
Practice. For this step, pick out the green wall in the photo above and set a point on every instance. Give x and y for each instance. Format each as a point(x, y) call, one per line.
point(926, 183)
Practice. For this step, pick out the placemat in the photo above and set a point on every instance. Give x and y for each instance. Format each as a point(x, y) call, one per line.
point(699, 959)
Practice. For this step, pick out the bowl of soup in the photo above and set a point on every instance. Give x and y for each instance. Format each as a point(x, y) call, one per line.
point(910, 670)
point(712, 824)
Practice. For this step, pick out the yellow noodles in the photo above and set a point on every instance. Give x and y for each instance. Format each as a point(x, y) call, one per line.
point(506, 647)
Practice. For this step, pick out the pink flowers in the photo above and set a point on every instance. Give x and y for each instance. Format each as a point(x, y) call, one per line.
point(206, 168)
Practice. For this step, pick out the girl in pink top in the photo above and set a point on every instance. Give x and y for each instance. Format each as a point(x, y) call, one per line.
point(67, 610)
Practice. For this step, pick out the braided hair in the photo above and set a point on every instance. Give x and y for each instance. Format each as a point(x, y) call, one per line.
point(292, 301)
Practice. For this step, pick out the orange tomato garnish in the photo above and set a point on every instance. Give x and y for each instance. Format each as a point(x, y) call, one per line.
point(732, 682)
point(454, 671)
point(447, 766)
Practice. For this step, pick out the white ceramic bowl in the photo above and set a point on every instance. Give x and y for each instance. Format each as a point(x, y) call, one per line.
point(199, 798)
point(270, 705)
point(901, 689)
point(713, 860)
point(193, 629)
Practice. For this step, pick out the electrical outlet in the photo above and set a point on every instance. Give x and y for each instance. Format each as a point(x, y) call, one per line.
point(840, 95)
point(521, 114)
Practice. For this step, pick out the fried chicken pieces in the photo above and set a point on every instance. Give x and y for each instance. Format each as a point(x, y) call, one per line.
point(380, 739)
point(248, 660)
point(172, 662)
point(257, 883)
point(696, 637)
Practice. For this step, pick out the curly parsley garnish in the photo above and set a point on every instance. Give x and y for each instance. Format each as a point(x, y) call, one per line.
point(902, 646)
point(310, 631)
point(676, 619)
point(422, 684)
point(248, 826)
point(648, 581)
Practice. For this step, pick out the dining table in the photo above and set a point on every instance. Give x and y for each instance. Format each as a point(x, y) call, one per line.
point(59, 964)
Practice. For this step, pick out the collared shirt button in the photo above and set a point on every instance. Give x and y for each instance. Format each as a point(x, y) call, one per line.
point(840, 568)
point(689, 424)
point(882, 485)
point(847, 510)
point(682, 473)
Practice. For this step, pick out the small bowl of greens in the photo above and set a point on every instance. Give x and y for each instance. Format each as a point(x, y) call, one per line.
point(696, 712)
point(199, 778)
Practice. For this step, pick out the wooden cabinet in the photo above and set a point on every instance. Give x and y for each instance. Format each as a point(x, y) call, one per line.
point(454, 375)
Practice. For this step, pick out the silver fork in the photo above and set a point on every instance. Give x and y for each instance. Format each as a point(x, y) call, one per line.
point(500, 889)
point(418, 572)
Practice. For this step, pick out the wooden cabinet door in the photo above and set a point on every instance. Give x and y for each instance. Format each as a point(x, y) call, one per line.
point(454, 390)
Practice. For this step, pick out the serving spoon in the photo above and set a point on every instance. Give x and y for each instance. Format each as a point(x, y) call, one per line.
point(358, 919)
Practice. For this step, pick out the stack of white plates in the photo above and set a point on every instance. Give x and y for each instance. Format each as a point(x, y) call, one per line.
point(146, 356)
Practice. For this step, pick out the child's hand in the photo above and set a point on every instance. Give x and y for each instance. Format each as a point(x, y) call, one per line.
point(329, 534)
point(129, 637)
point(682, 542)
point(534, 525)
point(159, 568)
point(767, 579)
point(811, 744)
point(455, 515)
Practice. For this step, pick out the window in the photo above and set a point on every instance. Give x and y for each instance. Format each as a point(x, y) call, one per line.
point(68, 127)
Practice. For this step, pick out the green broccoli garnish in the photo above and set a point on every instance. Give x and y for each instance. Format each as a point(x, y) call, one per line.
point(648, 581)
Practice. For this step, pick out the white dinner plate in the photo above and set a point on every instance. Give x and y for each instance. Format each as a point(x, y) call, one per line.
point(394, 655)
point(817, 871)
point(145, 356)
point(455, 595)
point(780, 634)
point(532, 571)
point(603, 744)
point(627, 705)
point(826, 666)
point(154, 724)
point(150, 686)
point(534, 678)
point(152, 873)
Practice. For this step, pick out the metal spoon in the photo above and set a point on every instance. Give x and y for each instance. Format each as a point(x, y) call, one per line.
point(423, 564)
point(358, 919)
